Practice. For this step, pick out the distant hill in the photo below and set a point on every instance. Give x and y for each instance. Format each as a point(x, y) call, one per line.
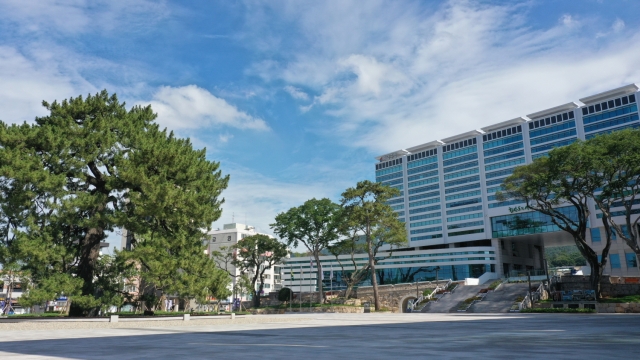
point(564, 256)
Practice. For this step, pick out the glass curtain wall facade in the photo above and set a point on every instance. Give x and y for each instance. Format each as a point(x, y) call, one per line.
point(448, 187)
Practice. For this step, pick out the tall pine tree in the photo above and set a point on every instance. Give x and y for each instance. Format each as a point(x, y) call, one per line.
point(92, 166)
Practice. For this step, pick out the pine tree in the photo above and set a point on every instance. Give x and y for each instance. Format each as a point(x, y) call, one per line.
point(92, 166)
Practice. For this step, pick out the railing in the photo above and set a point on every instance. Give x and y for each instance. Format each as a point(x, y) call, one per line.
point(521, 275)
point(422, 298)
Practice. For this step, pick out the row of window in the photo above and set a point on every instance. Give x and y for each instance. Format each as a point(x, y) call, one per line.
point(610, 123)
point(547, 147)
point(631, 126)
point(610, 114)
point(465, 232)
point(464, 151)
point(498, 173)
point(423, 154)
point(464, 225)
point(464, 217)
point(462, 181)
point(462, 195)
point(429, 160)
point(389, 177)
point(495, 182)
point(464, 210)
point(424, 196)
point(424, 188)
point(397, 207)
point(499, 150)
point(424, 182)
point(614, 260)
point(426, 230)
point(609, 104)
point(552, 137)
point(425, 223)
point(422, 168)
point(494, 189)
point(426, 237)
point(460, 167)
point(393, 182)
point(502, 133)
point(465, 202)
point(424, 202)
point(505, 203)
point(504, 164)
point(461, 174)
point(551, 120)
point(423, 175)
point(388, 170)
point(387, 164)
point(461, 188)
point(424, 209)
point(552, 129)
point(461, 159)
point(425, 216)
point(504, 157)
point(459, 145)
point(503, 141)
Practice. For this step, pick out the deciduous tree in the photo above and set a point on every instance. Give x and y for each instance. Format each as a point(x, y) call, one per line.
point(315, 224)
point(255, 255)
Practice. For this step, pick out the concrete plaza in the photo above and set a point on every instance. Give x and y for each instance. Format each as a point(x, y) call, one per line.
point(343, 336)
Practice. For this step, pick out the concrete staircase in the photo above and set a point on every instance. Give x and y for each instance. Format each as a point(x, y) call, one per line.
point(500, 301)
point(449, 302)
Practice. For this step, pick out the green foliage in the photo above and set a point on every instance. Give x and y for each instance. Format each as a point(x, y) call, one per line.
point(285, 294)
point(427, 292)
point(256, 254)
point(564, 256)
point(315, 224)
point(495, 284)
point(368, 215)
point(563, 179)
point(617, 162)
point(622, 299)
point(92, 166)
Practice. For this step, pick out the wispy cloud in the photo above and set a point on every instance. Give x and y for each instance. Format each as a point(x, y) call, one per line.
point(296, 93)
point(405, 75)
point(192, 107)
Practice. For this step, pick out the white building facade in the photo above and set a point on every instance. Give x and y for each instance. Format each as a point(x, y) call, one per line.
point(221, 240)
point(453, 220)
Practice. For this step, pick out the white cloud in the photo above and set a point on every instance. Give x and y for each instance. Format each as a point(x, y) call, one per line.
point(80, 16)
point(296, 93)
point(618, 26)
point(225, 138)
point(25, 81)
point(192, 107)
point(406, 75)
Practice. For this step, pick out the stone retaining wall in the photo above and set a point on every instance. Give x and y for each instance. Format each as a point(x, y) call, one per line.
point(610, 286)
point(324, 309)
point(391, 296)
point(618, 308)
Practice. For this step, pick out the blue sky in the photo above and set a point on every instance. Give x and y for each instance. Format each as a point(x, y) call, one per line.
point(296, 98)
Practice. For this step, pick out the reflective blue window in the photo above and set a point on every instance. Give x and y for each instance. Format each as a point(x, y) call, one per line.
point(615, 261)
point(632, 260)
point(527, 223)
point(595, 235)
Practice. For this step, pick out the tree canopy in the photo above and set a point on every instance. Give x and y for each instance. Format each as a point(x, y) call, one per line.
point(559, 186)
point(315, 224)
point(255, 255)
point(88, 168)
point(367, 214)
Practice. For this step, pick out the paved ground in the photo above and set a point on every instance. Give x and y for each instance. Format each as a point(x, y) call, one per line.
point(348, 336)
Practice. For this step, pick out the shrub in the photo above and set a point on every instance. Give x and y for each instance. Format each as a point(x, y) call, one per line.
point(427, 292)
point(285, 294)
point(495, 284)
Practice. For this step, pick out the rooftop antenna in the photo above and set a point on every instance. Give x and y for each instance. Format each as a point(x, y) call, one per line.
point(233, 217)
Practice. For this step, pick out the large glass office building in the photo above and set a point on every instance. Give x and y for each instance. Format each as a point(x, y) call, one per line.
point(448, 197)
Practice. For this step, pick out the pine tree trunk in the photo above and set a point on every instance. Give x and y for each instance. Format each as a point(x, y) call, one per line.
point(374, 280)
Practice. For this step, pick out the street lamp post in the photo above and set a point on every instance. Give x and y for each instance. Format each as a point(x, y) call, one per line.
point(437, 269)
